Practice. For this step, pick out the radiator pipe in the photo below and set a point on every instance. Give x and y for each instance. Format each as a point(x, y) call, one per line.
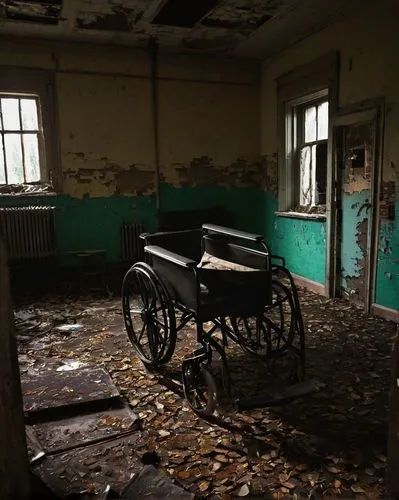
point(153, 51)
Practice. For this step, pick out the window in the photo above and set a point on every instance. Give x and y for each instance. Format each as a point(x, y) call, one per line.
point(306, 138)
point(21, 139)
point(306, 98)
point(29, 147)
point(312, 154)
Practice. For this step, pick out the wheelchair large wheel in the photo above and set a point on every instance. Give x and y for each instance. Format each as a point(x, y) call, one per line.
point(275, 331)
point(149, 315)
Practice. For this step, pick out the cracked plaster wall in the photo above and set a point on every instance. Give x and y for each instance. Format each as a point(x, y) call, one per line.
point(208, 129)
point(368, 47)
point(207, 114)
point(207, 109)
point(356, 195)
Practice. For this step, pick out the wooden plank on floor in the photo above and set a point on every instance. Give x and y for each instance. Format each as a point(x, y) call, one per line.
point(82, 430)
point(55, 390)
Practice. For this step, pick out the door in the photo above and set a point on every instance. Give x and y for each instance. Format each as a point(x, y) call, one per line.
point(355, 171)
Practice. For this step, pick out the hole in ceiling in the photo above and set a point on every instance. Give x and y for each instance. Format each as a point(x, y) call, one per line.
point(34, 11)
point(117, 21)
point(184, 13)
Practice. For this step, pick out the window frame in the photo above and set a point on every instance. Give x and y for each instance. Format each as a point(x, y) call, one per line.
point(313, 77)
point(293, 124)
point(310, 82)
point(39, 134)
point(40, 84)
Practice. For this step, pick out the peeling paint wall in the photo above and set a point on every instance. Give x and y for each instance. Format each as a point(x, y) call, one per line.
point(355, 222)
point(105, 135)
point(368, 47)
point(209, 122)
point(357, 144)
point(388, 263)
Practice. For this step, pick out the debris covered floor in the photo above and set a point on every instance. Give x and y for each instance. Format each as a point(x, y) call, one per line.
point(331, 442)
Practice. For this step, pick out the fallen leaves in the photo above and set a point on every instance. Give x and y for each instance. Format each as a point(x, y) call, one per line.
point(333, 470)
point(290, 485)
point(243, 491)
point(216, 466)
point(356, 488)
point(334, 437)
point(203, 486)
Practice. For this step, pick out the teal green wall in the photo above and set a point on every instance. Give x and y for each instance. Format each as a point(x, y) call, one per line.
point(301, 242)
point(355, 222)
point(92, 223)
point(352, 254)
point(244, 202)
point(95, 223)
point(387, 286)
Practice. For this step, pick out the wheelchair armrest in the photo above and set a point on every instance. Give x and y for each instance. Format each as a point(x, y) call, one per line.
point(170, 256)
point(234, 233)
point(281, 259)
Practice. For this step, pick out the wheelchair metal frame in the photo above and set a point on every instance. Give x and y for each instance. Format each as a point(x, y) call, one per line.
point(239, 304)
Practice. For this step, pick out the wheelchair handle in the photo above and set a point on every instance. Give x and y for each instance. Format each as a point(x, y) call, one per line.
point(234, 233)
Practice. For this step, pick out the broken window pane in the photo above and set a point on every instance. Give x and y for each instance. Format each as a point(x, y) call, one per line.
point(310, 124)
point(31, 151)
point(13, 148)
point(321, 173)
point(313, 176)
point(10, 111)
point(2, 166)
point(29, 114)
point(322, 121)
point(305, 177)
point(314, 197)
point(312, 136)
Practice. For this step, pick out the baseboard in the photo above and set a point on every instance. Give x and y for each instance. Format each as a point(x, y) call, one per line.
point(377, 310)
point(313, 286)
point(385, 312)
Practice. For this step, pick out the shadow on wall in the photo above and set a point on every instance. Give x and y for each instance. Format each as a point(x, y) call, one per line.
point(177, 220)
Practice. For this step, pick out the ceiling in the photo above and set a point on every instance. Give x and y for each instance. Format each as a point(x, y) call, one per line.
point(241, 28)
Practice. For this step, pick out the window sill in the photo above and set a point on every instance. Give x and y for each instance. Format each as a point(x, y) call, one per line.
point(302, 215)
point(26, 190)
point(43, 194)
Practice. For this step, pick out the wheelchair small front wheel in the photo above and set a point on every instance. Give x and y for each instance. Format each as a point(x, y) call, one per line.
point(200, 387)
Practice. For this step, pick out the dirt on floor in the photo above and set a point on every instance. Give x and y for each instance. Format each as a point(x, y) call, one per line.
point(329, 444)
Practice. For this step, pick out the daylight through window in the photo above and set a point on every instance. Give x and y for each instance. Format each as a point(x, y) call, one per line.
point(312, 149)
point(20, 134)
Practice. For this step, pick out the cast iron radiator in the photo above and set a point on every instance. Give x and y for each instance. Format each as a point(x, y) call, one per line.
point(28, 231)
point(132, 246)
